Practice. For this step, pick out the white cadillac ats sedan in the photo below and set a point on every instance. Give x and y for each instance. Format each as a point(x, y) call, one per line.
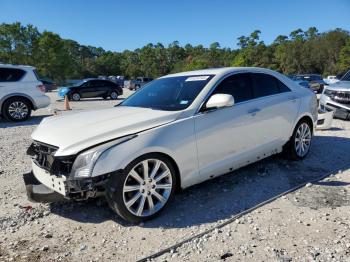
point(177, 131)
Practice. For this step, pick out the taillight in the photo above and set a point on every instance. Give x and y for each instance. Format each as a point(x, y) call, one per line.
point(41, 88)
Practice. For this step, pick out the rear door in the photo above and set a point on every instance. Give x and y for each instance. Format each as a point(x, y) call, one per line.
point(9, 82)
point(103, 88)
point(276, 107)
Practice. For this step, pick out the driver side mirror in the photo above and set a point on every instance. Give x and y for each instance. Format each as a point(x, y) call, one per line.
point(219, 101)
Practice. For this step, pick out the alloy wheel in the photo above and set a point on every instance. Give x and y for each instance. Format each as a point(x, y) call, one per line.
point(302, 140)
point(18, 110)
point(114, 95)
point(147, 187)
point(76, 97)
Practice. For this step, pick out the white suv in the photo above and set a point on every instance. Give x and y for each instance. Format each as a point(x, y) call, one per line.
point(20, 92)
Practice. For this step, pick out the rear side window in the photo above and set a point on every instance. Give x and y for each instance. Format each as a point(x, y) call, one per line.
point(11, 74)
point(36, 74)
point(239, 86)
point(264, 85)
point(283, 88)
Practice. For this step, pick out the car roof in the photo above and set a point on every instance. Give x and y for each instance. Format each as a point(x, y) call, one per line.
point(221, 71)
point(95, 79)
point(309, 75)
point(91, 78)
point(17, 66)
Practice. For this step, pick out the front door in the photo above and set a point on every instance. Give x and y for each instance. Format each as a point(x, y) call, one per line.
point(226, 137)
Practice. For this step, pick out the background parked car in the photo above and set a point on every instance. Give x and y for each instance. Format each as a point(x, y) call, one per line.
point(336, 97)
point(118, 80)
point(139, 82)
point(303, 83)
point(331, 80)
point(91, 87)
point(316, 82)
point(20, 92)
point(49, 86)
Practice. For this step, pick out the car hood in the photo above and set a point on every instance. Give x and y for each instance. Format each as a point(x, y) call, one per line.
point(74, 132)
point(63, 90)
point(340, 86)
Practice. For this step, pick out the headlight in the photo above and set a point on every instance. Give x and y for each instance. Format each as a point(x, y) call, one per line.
point(85, 162)
point(328, 92)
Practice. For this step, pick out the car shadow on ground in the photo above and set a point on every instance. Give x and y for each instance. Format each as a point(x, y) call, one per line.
point(228, 195)
point(34, 120)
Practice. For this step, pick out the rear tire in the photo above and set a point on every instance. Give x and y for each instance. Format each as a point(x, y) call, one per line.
point(138, 195)
point(17, 109)
point(299, 144)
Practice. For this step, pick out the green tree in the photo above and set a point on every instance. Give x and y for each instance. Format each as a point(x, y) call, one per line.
point(344, 58)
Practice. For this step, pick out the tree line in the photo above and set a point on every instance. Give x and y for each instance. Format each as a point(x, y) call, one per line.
point(60, 59)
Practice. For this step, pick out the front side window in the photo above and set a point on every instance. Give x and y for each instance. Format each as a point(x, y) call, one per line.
point(86, 84)
point(239, 86)
point(11, 74)
point(170, 93)
point(264, 85)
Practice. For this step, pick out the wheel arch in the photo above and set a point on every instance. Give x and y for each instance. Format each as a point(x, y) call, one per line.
point(308, 118)
point(171, 160)
point(100, 167)
point(17, 95)
point(176, 167)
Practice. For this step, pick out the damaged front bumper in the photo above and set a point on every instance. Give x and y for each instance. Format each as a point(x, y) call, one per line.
point(324, 120)
point(44, 187)
point(38, 192)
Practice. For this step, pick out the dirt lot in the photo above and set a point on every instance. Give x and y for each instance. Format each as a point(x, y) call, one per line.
point(312, 223)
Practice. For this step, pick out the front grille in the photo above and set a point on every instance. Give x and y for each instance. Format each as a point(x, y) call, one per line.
point(342, 97)
point(42, 154)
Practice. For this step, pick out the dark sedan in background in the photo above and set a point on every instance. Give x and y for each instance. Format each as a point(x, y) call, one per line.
point(91, 88)
point(316, 82)
point(49, 85)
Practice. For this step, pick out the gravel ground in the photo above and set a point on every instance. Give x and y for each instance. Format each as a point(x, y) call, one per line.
point(309, 224)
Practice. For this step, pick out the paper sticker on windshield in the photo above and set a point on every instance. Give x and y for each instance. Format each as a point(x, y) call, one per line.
point(197, 78)
point(183, 102)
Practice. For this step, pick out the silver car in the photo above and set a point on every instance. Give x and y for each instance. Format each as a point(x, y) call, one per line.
point(177, 131)
point(336, 97)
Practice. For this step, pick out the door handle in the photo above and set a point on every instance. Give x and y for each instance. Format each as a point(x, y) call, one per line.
point(254, 111)
point(292, 99)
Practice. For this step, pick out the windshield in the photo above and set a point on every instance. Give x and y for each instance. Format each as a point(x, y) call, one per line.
point(171, 93)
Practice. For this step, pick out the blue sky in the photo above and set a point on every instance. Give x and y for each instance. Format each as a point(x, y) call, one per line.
point(129, 24)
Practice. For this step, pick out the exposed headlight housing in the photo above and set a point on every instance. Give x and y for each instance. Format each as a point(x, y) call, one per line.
point(85, 162)
point(328, 92)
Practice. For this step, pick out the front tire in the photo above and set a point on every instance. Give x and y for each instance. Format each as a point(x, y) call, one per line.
point(76, 96)
point(300, 142)
point(144, 188)
point(17, 109)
